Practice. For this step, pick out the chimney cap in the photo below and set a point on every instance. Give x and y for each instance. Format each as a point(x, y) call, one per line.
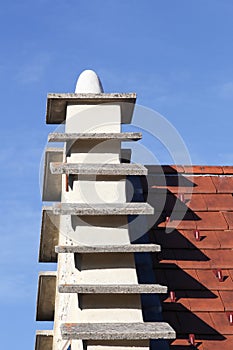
point(89, 82)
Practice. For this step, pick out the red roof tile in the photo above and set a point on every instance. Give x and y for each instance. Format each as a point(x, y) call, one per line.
point(195, 202)
point(208, 239)
point(211, 221)
point(203, 301)
point(228, 170)
point(202, 184)
point(221, 322)
point(229, 219)
point(182, 344)
point(225, 344)
point(223, 184)
point(223, 260)
point(225, 238)
point(197, 323)
point(188, 266)
point(227, 299)
point(218, 202)
point(211, 282)
point(203, 169)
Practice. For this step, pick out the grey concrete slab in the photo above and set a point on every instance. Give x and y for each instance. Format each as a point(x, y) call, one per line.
point(57, 103)
point(44, 340)
point(49, 235)
point(103, 209)
point(121, 136)
point(127, 248)
point(108, 331)
point(46, 296)
point(51, 183)
point(112, 288)
point(98, 169)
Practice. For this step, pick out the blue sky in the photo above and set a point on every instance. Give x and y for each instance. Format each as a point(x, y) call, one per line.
point(177, 56)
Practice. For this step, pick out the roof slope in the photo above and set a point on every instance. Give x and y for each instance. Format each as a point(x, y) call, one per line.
point(196, 259)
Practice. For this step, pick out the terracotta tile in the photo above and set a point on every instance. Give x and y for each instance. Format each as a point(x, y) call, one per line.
point(182, 280)
point(229, 218)
point(175, 239)
point(221, 259)
point(181, 220)
point(195, 202)
point(211, 221)
point(218, 201)
point(228, 170)
point(215, 344)
point(208, 279)
point(166, 202)
point(223, 184)
point(196, 322)
point(225, 238)
point(191, 259)
point(204, 301)
point(208, 240)
point(183, 344)
point(230, 272)
point(165, 169)
point(174, 183)
point(181, 304)
point(202, 184)
point(203, 169)
point(227, 299)
point(171, 169)
point(221, 322)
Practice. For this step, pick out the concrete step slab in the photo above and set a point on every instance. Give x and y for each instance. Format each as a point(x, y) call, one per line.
point(108, 331)
point(58, 102)
point(44, 340)
point(49, 235)
point(121, 136)
point(98, 169)
point(126, 248)
point(103, 209)
point(46, 296)
point(112, 288)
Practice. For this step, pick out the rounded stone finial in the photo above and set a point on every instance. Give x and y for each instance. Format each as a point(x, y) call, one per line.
point(89, 82)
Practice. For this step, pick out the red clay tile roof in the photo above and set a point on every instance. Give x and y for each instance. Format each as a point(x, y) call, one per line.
point(189, 266)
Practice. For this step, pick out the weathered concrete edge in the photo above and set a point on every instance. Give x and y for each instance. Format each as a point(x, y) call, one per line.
point(107, 331)
point(95, 209)
point(97, 169)
point(44, 340)
point(127, 248)
point(112, 289)
point(121, 136)
point(57, 103)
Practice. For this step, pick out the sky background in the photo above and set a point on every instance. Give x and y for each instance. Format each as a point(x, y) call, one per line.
point(175, 54)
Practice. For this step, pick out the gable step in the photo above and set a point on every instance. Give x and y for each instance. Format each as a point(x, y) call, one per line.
point(121, 136)
point(44, 340)
point(107, 331)
point(126, 248)
point(112, 288)
point(57, 104)
point(98, 169)
point(103, 209)
point(46, 296)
